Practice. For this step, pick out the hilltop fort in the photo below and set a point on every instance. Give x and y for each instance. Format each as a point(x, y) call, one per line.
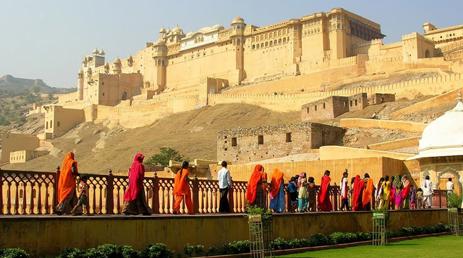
point(321, 65)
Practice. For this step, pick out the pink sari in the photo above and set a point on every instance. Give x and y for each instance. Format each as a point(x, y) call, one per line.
point(136, 177)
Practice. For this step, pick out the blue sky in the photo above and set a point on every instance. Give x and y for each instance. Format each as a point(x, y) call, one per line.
point(47, 39)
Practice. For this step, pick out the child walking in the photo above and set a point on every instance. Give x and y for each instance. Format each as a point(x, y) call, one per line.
point(83, 199)
point(419, 198)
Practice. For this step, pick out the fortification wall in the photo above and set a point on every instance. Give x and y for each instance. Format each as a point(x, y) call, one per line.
point(145, 114)
point(67, 98)
point(308, 82)
point(426, 104)
point(394, 145)
point(408, 89)
point(339, 152)
point(383, 124)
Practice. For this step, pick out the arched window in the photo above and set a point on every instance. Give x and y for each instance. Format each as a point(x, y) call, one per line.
point(124, 95)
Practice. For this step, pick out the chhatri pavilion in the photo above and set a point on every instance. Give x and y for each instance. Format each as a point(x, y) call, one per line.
point(441, 149)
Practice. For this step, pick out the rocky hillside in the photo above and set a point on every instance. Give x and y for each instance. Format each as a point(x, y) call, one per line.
point(9, 83)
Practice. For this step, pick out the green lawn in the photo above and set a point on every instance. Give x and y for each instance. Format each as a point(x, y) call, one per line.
point(442, 246)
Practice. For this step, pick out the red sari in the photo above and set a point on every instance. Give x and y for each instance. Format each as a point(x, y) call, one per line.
point(324, 203)
point(256, 176)
point(359, 184)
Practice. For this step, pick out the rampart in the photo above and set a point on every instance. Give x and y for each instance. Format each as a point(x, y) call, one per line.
point(426, 104)
point(426, 86)
point(394, 145)
point(340, 152)
point(383, 124)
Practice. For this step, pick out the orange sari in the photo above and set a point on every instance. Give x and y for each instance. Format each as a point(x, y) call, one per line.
point(256, 176)
point(181, 187)
point(367, 192)
point(67, 181)
point(182, 191)
point(277, 178)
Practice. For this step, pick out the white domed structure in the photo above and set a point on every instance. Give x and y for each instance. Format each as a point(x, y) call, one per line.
point(101, 53)
point(95, 51)
point(444, 136)
point(441, 149)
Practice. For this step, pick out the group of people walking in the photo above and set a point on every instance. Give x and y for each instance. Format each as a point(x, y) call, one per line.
point(134, 197)
point(389, 193)
point(302, 191)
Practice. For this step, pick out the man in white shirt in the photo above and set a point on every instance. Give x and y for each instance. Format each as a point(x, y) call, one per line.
point(450, 186)
point(224, 182)
point(427, 193)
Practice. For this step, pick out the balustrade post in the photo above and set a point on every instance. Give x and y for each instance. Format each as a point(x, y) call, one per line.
point(335, 193)
point(55, 187)
point(1, 192)
point(373, 201)
point(231, 200)
point(440, 199)
point(156, 193)
point(196, 194)
point(110, 194)
point(288, 205)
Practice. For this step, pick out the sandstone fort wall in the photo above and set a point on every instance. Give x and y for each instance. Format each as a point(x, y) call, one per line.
point(384, 124)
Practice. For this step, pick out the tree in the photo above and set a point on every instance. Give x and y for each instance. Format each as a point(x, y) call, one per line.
point(165, 154)
point(50, 96)
point(36, 89)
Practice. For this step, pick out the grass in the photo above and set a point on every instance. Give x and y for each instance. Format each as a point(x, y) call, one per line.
point(442, 246)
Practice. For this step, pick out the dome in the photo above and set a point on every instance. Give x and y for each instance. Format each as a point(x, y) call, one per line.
point(159, 43)
point(218, 27)
point(117, 61)
point(81, 71)
point(95, 51)
point(444, 136)
point(177, 30)
point(238, 20)
point(162, 30)
point(168, 31)
point(189, 34)
point(102, 52)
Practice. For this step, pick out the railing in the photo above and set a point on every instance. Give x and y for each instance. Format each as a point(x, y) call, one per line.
point(29, 192)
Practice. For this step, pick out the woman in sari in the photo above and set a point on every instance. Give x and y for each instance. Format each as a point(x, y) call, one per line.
point(359, 185)
point(324, 203)
point(367, 192)
point(255, 192)
point(386, 194)
point(134, 197)
point(397, 185)
point(277, 191)
point(406, 192)
point(182, 189)
point(67, 197)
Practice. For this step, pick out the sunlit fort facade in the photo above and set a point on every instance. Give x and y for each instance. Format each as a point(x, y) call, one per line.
point(244, 54)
